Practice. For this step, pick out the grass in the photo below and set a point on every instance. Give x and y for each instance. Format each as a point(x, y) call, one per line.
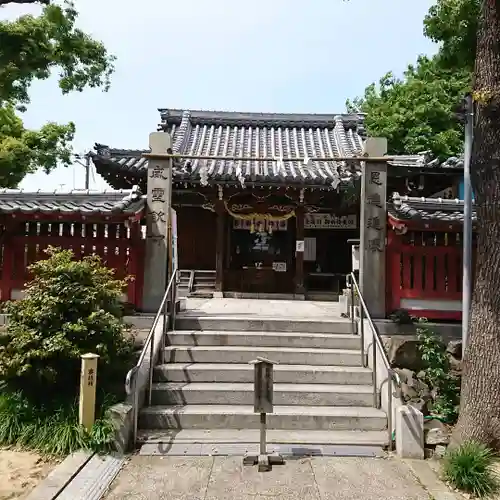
point(53, 431)
point(470, 468)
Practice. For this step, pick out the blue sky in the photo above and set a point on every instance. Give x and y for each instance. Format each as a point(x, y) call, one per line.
point(263, 55)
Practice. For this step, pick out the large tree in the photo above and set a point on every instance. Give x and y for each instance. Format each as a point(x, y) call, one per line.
point(417, 112)
point(468, 32)
point(32, 48)
point(479, 417)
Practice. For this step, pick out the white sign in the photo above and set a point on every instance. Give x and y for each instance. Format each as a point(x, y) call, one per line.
point(330, 221)
point(355, 257)
point(279, 267)
point(310, 249)
point(299, 246)
point(260, 224)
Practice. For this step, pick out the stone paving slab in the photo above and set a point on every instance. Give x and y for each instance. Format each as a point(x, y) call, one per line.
point(315, 310)
point(221, 478)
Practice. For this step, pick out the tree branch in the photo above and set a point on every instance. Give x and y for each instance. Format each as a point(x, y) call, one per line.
point(5, 2)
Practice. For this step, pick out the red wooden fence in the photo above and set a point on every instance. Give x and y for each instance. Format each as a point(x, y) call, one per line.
point(120, 247)
point(424, 274)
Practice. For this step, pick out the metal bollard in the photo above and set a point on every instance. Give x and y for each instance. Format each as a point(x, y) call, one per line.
point(263, 404)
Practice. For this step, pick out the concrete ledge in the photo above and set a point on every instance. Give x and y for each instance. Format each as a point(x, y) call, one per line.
point(122, 415)
point(425, 474)
point(409, 433)
point(449, 331)
point(61, 476)
point(265, 296)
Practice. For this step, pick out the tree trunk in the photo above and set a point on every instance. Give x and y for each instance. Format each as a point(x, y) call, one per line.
point(479, 418)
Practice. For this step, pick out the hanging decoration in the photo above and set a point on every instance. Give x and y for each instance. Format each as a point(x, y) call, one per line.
point(261, 222)
point(204, 174)
point(257, 216)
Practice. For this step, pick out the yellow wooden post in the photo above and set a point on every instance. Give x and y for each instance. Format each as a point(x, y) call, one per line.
point(88, 379)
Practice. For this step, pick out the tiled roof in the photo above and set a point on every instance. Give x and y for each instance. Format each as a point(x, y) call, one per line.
point(406, 208)
point(249, 134)
point(424, 160)
point(82, 202)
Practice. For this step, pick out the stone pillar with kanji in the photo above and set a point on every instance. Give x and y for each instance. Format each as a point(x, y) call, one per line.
point(159, 192)
point(373, 228)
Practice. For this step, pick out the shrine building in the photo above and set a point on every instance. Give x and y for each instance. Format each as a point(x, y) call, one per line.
point(282, 228)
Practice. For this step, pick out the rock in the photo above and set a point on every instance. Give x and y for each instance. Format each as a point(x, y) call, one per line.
point(455, 363)
point(420, 405)
point(408, 392)
point(406, 376)
point(402, 352)
point(454, 348)
point(411, 386)
point(436, 432)
point(440, 451)
point(423, 390)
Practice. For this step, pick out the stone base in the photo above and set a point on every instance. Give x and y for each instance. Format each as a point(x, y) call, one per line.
point(409, 433)
point(265, 462)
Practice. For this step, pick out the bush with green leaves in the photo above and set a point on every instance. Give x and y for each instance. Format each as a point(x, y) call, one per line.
point(470, 467)
point(437, 373)
point(70, 307)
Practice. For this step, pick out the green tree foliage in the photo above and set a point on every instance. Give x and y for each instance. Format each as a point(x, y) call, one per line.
point(32, 48)
point(70, 307)
point(417, 112)
point(453, 24)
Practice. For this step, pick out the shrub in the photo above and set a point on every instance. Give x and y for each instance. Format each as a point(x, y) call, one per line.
point(470, 468)
point(437, 374)
point(70, 307)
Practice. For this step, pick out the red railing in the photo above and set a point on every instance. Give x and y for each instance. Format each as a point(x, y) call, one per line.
point(424, 274)
point(120, 246)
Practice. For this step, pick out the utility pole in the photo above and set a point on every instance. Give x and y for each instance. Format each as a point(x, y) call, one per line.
point(87, 171)
point(467, 237)
point(87, 167)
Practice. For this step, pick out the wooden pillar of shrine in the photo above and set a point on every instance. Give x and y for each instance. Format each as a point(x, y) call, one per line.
point(299, 250)
point(220, 247)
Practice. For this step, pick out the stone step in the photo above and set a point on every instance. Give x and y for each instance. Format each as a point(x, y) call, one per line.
point(176, 393)
point(264, 339)
point(285, 374)
point(253, 436)
point(243, 354)
point(302, 418)
point(203, 286)
point(204, 278)
point(201, 442)
point(274, 324)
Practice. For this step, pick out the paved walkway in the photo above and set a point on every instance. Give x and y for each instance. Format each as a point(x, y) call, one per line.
point(265, 308)
point(225, 478)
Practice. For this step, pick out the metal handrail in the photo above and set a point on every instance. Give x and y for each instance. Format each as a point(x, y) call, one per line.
point(131, 386)
point(377, 341)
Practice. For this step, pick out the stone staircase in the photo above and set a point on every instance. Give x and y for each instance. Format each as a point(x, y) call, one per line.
point(196, 283)
point(202, 396)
